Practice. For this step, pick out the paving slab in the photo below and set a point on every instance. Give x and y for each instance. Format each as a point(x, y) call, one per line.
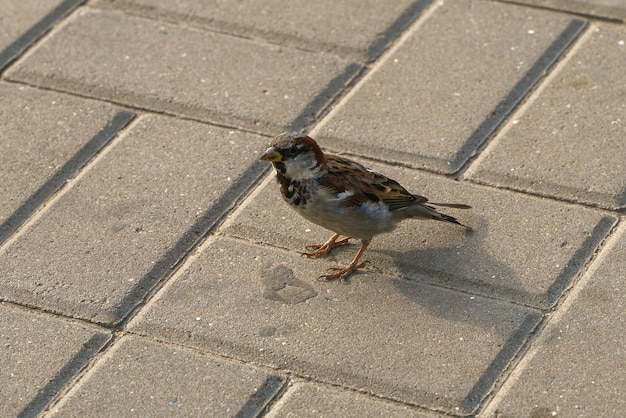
point(313, 400)
point(46, 138)
point(359, 29)
point(611, 9)
point(152, 379)
point(23, 22)
point(120, 228)
point(522, 248)
point(40, 354)
point(578, 366)
point(569, 141)
point(429, 109)
point(199, 74)
point(398, 339)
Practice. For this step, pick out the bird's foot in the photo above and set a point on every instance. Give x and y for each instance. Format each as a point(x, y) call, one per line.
point(318, 250)
point(342, 273)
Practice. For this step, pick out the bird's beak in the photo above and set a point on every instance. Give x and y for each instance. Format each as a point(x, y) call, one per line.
point(272, 155)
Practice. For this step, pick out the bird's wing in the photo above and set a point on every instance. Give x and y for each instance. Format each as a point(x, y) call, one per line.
point(357, 185)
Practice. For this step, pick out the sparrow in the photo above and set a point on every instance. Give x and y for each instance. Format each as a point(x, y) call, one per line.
point(343, 196)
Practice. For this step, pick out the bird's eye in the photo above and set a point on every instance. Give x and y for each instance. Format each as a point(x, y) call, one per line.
point(292, 150)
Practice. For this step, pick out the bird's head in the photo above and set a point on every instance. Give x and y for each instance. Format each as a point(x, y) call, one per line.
point(295, 156)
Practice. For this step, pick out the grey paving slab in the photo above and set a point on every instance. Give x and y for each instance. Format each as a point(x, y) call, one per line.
point(23, 22)
point(186, 71)
point(313, 400)
point(122, 225)
point(157, 380)
point(45, 138)
point(393, 338)
point(569, 142)
point(612, 9)
point(40, 354)
point(522, 248)
point(450, 84)
point(578, 367)
point(358, 29)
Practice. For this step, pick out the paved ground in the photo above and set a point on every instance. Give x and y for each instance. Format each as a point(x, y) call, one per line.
point(149, 268)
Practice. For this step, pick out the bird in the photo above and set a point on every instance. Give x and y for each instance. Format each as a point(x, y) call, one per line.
point(343, 196)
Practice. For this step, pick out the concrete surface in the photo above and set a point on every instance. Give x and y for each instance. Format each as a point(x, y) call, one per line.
point(576, 368)
point(23, 22)
point(405, 111)
point(550, 141)
point(40, 355)
point(357, 29)
point(103, 244)
point(185, 71)
point(314, 400)
point(265, 307)
point(46, 138)
point(148, 266)
point(605, 9)
point(155, 379)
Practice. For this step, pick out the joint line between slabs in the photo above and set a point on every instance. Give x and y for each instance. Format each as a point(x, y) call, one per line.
point(375, 67)
point(63, 179)
point(35, 33)
point(552, 320)
point(521, 95)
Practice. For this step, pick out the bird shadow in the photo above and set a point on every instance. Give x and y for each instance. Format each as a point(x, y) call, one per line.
point(459, 261)
point(446, 281)
point(467, 296)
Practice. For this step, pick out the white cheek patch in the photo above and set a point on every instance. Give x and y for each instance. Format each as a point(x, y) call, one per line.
point(302, 167)
point(345, 194)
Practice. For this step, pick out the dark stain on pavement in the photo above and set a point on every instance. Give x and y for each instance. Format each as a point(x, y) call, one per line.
point(281, 285)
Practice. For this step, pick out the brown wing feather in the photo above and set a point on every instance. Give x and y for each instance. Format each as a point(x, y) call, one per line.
point(366, 185)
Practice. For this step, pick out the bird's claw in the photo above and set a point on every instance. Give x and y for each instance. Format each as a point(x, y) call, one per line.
point(342, 273)
point(321, 249)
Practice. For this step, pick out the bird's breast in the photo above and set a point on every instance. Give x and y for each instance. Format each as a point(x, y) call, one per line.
point(331, 211)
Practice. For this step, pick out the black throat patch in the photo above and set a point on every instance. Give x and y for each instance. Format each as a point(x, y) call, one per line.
point(280, 167)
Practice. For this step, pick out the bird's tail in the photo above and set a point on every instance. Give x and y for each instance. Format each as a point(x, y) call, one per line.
point(452, 205)
point(428, 212)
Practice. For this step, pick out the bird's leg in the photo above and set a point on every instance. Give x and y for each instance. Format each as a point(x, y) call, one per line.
point(342, 273)
point(321, 249)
